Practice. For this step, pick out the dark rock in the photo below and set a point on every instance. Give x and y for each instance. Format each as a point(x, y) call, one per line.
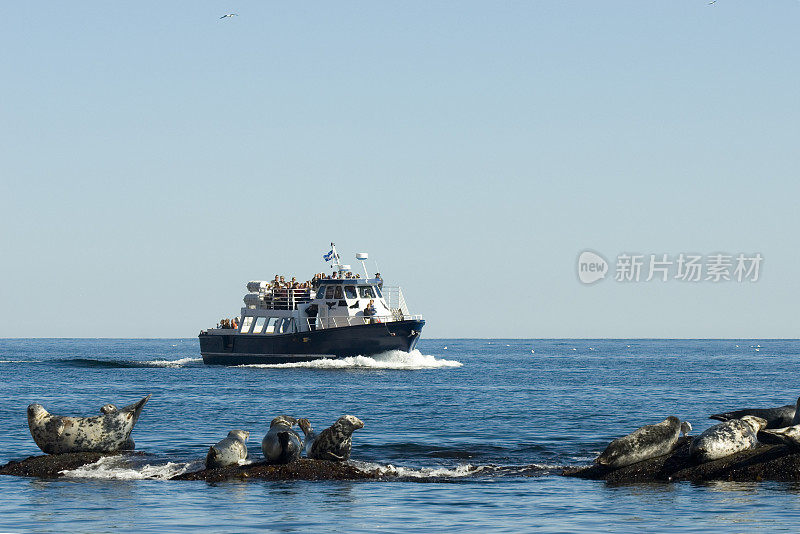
point(51, 465)
point(765, 462)
point(301, 469)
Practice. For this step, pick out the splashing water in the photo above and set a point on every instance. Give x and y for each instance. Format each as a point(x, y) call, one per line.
point(393, 359)
point(123, 468)
point(459, 471)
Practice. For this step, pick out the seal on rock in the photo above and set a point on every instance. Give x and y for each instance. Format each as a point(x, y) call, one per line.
point(109, 432)
point(335, 442)
point(727, 438)
point(644, 443)
point(779, 417)
point(789, 436)
point(230, 451)
point(282, 445)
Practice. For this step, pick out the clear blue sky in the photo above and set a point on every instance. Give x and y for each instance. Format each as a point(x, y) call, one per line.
point(154, 158)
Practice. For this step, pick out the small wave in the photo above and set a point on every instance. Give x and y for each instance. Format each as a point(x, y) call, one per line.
point(125, 364)
point(98, 364)
point(393, 359)
point(463, 451)
point(122, 468)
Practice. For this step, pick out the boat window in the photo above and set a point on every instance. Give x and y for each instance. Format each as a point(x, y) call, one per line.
point(271, 325)
point(378, 291)
point(320, 292)
point(338, 293)
point(246, 324)
point(286, 326)
point(350, 292)
point(366, 292)
point(329, 292)
point(259, 325)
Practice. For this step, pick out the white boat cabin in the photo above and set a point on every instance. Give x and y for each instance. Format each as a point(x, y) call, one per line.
point(333, 303)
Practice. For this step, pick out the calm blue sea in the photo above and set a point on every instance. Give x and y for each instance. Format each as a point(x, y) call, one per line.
point(470, 433)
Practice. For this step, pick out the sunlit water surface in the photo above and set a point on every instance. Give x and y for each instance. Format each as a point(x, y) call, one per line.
point(470, 434)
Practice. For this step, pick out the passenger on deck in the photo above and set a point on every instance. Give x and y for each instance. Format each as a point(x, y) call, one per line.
point(380, 280)
point(234, 323)
point(370, 311)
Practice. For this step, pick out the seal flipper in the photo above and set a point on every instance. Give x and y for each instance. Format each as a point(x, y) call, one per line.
point(60, 427)
point(136, 408)
point(283, 440)
point(211, 458)
point(334, 457)
point(290, 448)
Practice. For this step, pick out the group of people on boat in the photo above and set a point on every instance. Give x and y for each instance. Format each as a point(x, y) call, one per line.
point(282, 294)
point(228, 324)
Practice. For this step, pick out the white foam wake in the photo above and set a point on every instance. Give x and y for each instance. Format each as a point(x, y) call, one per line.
point(459, 471)
point(393, 359)
point(122, 468)
point(172, 363)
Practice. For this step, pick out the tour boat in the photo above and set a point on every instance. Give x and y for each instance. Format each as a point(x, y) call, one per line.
point(340, 315)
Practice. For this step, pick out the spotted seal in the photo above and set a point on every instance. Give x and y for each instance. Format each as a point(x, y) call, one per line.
point(789, 436)
point(282, 444)
point(727, 438)
point(644, 443)
point(109, 432)
point(778, 417)
point(230, 451)
point(335, 442)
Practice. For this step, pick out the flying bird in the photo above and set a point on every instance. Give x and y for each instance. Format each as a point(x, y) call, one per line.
point(229, 15)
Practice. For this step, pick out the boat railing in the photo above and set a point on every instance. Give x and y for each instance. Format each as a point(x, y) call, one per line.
point(393, 296)
point(278, 299)
point(323, 323)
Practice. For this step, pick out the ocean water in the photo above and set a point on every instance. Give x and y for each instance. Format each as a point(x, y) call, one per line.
point(471, 435)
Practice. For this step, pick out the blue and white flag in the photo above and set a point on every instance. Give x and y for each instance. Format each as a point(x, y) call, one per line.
point(328, 256)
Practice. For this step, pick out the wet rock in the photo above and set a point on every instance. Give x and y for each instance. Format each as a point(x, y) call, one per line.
point(764, 462)
point(51, 465)
point(301, 469)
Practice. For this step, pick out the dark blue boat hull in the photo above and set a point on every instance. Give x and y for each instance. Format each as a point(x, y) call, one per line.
point(364, 340)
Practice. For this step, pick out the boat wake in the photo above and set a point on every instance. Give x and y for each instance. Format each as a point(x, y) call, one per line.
point(393, 359)
point(126, 364)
